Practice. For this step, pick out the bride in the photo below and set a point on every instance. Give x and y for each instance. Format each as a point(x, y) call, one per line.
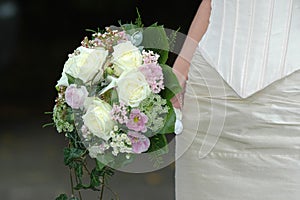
point(241, 106)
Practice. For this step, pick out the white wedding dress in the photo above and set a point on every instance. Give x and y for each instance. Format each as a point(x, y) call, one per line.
point(241, 114)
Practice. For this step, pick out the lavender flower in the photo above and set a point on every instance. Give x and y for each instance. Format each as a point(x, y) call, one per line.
point(154, 76)
point(137, 121)
point(75, 96)
point(122, 37)
point(119, 113)
point(85, 131)
point(150, 57)
point(139, 142)
point(111, 37)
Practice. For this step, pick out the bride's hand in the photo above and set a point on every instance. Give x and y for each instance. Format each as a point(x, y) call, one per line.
point(180, 70)
point(177, 100)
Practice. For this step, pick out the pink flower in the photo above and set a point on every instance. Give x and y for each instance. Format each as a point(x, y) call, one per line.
point(75, 96)
point(84, 131)
point(137, 121)
point(154, 76)
point(119, 113)
point(122, 37)
point(139, 142)
point(150, 57)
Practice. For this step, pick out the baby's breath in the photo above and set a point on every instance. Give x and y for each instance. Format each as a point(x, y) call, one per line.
point(155, 108)
point(60, 112)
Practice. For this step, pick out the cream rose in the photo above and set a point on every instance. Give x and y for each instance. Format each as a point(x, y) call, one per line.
point(85, 64)
point(126, 56)
point(133, 88)
point(97, 117)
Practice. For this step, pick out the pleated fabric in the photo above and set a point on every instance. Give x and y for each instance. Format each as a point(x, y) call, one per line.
point(235, 148)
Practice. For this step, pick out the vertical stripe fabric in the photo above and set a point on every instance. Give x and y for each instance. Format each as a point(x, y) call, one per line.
point(253, 43)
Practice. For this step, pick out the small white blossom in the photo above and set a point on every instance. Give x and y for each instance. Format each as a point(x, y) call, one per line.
point(121, 144)
point(112, 144)
point(128, 141)
point(115, 152)
point(116, 128)
point(112, 134)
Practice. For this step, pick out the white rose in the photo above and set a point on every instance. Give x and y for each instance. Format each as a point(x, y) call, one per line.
point(133, 88)
point(97, 118)
point(84, 65)
point(126, 56)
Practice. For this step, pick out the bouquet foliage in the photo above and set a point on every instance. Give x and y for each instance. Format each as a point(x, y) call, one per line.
point(113, 102)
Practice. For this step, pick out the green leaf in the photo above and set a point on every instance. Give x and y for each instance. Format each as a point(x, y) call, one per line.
point(171, 83)
point(71, 154)
point(79, 170)
point(170, 120)
point(96, 177)
point(79, 186)
point(172, 39)
point(62, 197)
point(138, 21)
point(75, 140)
point(129, 28)
point(69, 115)
point(72, 80)
point(96, 174)
point(90, 30)
point(48, 124)
point(156, 39)
point(114, 98)
point(95, 181)
point(154, 25)
point(99, 165)
point(158, 142)
point(167, 94)
point(158, 147)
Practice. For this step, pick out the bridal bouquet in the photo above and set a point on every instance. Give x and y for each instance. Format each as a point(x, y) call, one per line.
point(113, 101)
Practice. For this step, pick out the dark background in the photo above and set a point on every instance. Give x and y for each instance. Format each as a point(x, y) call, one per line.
point(35, 39)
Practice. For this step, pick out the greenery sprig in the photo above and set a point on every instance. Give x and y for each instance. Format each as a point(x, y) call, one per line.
point(95, 177)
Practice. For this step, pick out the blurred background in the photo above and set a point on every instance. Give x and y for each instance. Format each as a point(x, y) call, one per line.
point(35, 39)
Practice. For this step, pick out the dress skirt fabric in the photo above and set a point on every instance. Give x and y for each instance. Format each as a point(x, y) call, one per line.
point(234, 148)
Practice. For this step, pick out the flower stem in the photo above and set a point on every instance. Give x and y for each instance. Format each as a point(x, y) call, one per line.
point(79, 193)
point(71, 180)
point(86, 169)
point(102, 187)
point(80, 197)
